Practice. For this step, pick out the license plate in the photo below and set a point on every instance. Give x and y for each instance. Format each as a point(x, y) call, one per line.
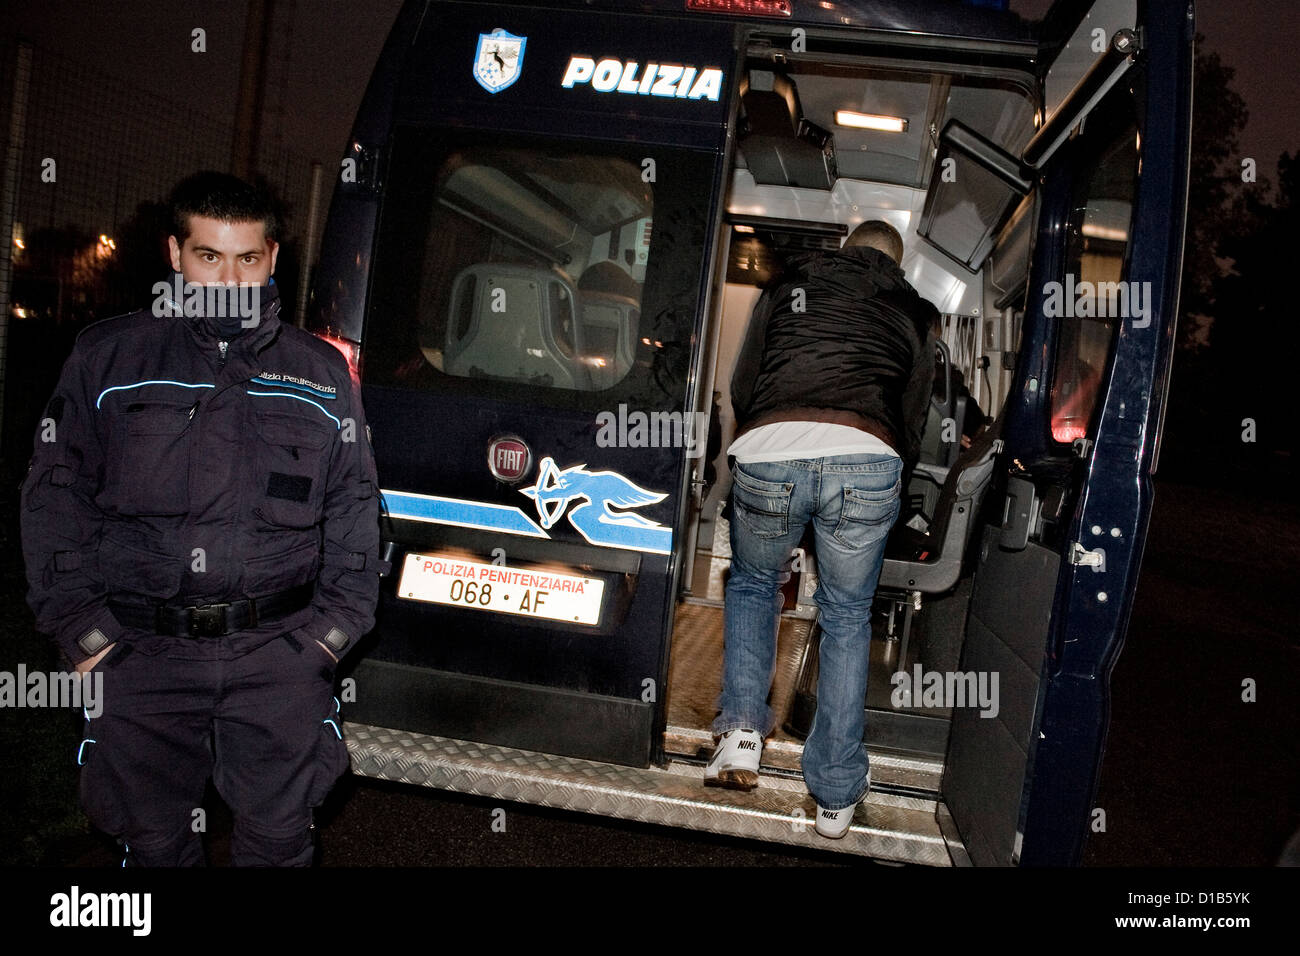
point(528, 592)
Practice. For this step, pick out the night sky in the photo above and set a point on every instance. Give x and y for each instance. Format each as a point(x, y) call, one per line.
point(325, 50)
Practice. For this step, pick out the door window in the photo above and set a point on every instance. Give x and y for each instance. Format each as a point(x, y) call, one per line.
point(1093, 298)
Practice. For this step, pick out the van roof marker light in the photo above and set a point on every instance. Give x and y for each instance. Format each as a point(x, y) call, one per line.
point(751, 8)
point(886, 124)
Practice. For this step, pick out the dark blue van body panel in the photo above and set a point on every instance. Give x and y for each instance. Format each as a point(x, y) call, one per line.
point(589, 691)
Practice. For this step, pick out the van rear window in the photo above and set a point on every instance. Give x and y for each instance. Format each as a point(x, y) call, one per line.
point(518, 265)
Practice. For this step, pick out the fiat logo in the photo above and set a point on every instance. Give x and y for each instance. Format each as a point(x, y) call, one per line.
point(509, 459)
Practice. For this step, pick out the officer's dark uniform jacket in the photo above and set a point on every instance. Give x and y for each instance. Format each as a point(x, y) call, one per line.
point(854, 348)
point(168, 473)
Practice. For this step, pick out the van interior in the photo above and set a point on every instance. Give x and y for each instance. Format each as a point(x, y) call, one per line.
point(807, 170)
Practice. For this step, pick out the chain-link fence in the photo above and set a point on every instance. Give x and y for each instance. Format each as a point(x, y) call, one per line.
point(88, 162)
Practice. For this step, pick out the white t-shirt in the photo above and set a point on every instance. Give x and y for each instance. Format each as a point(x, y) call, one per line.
point(786, 441)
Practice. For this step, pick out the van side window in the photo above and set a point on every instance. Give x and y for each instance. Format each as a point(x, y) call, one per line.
point(1093, 298)
point(520, 265)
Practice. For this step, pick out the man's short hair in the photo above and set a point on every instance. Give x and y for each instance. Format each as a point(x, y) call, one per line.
point(223, 197)
point(878, 234)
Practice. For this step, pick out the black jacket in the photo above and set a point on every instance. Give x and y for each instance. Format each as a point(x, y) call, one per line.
point(842, 337)
point(165, 473)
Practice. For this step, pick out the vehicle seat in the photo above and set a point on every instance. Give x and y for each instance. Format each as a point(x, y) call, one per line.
point(610, 310)
point(514, 322)
point(931, 563)
point(609, 324)
point(944, 404)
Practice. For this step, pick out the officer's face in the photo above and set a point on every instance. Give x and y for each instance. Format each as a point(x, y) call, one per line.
point(224, 253)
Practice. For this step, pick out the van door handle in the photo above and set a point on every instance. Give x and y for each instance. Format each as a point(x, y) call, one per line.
point(697, 488)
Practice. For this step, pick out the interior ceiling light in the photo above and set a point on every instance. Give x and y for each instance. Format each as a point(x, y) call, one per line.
point(887, 124)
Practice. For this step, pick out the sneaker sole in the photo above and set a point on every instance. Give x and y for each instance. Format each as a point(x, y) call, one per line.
point(734, 780)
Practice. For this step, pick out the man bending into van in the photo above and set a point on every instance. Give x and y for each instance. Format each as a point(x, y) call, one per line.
point(829, 393)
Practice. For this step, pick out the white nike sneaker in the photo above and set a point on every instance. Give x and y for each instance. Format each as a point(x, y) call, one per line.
point(734, 763)
point(833, 824)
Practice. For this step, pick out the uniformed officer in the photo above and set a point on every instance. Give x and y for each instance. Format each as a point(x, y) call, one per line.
point(200, 524)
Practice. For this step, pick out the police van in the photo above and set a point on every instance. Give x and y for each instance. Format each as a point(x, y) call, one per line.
point(551, 226)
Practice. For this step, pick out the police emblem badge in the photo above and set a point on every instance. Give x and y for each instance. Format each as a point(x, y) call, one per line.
point(498, 59)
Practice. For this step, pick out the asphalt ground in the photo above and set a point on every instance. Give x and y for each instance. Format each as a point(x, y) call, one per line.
point(1193, 775)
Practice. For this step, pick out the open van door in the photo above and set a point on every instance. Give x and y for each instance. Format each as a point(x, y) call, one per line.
point(1067, 518)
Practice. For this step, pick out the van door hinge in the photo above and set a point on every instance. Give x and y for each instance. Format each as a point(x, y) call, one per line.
point(1092, 559)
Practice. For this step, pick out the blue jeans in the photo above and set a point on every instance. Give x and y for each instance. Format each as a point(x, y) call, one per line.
point(852, 501)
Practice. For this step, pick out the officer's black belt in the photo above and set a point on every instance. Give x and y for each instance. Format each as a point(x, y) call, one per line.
point(213, 620)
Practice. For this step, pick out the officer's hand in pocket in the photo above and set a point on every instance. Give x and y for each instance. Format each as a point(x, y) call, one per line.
point(85, 666)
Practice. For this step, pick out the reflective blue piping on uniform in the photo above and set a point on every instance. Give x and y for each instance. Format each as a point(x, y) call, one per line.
point(337, 423)
point(84, 740)
point(152, 381)
point(460, 513)
point(306, 388)
point(330, 721)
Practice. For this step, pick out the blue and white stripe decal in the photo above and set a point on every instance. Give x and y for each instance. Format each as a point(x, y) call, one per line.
point(592, 493)
point(152, 381)
point(460, 513)
point(305, 388)
point(298, 398)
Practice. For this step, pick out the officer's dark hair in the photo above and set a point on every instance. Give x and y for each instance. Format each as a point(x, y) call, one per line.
point(223, 197)
point(878, 234)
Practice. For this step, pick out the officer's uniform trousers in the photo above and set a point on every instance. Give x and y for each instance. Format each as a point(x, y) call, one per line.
point(263, 725)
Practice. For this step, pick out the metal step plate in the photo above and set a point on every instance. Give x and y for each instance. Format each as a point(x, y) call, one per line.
point(886, 827)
